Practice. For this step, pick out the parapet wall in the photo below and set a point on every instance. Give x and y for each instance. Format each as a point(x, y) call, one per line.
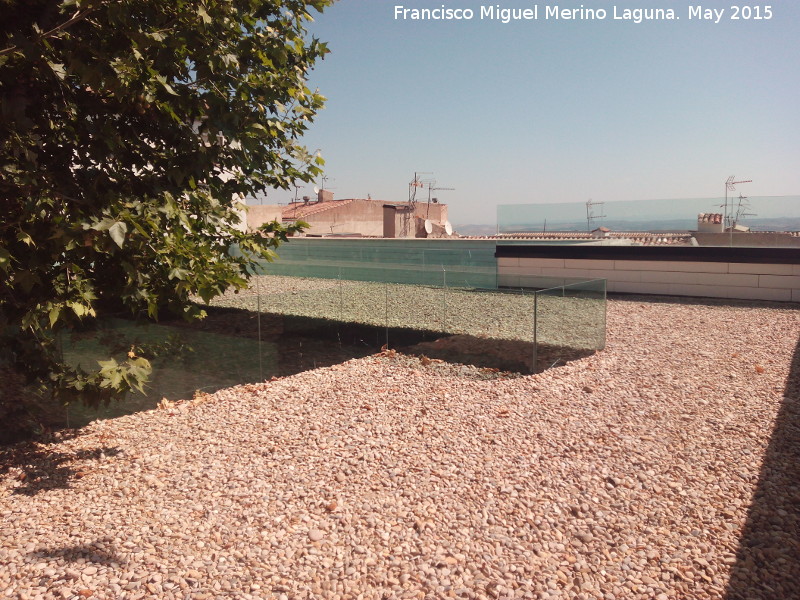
point(743, 273)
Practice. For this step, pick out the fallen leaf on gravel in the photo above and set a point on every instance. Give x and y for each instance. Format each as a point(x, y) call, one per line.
point(759, 369)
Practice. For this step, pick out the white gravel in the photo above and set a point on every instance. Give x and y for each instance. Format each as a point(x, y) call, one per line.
point(627, 474)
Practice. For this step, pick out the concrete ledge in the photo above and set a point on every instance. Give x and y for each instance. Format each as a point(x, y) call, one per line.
point(518, 270)
point(721, 279)
point(756, 281)
point(548, 272)
point(573, 263)
point(690, 254)
point(508, 261)
point(668, 265)
point(556, 263)
point(612, 275)
point(761, 269)
point(777, 281)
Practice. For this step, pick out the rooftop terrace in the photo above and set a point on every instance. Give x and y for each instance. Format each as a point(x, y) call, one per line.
point(665, 466)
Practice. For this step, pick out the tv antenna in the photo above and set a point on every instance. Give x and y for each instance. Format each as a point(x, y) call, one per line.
point(590, 216)
point(432, 187)
point(296, 188)
point(730, 186)
point(741, 209)
point(416, 183)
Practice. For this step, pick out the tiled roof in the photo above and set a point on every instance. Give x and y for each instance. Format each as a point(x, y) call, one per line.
point(645, 238)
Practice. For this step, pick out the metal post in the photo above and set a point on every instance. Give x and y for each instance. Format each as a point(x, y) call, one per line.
point(535, 324)
point(444, 299)
point(258, 308)
point(386, 287)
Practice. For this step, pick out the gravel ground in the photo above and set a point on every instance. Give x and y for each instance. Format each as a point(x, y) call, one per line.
point(665, 466)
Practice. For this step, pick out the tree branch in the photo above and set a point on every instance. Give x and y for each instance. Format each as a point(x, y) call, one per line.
point(78, 16)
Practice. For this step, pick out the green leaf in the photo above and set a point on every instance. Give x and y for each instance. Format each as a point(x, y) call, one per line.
point(58, 69)
point(163, 81)
point(79, 309)
point(203, 14)
point(177, 273)
point(5, 259)
point(117, 232)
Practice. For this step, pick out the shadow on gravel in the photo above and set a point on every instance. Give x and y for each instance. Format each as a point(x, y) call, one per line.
point(98, 552)
point(39, 467)
point(512, 356)
point(699, 301)
point(768, 559)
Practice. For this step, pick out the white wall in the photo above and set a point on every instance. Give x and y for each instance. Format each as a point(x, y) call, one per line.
point(750, 281)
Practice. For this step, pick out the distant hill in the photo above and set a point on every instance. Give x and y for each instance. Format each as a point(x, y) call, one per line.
point(475, 229)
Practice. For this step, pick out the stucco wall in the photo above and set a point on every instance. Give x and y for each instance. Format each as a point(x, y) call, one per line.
point(365, 217)
point(259, 214)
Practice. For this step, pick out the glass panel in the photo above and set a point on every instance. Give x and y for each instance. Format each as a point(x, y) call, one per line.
point(470, 263)
point(735, 220)
point(191, 360)
point(494, 328)
point(570, 322)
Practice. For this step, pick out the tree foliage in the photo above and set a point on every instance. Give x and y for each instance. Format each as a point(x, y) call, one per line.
point(129, 132)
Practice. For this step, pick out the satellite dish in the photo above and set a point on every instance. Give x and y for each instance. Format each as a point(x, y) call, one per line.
point(316, 189)
point(428, 226)
point(448, 228)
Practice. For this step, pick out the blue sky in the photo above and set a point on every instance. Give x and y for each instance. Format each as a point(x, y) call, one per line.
point(556, 111)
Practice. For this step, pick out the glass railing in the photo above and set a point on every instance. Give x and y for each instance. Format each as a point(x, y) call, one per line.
point(282, 325)
point(755, 221)
point(569, 321)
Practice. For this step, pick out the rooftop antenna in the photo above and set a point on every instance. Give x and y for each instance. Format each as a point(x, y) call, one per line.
point(297, 187)
point(740, 210)
point(590, 216)
point(432, 187)
point(417, 182)
point(730, 186)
